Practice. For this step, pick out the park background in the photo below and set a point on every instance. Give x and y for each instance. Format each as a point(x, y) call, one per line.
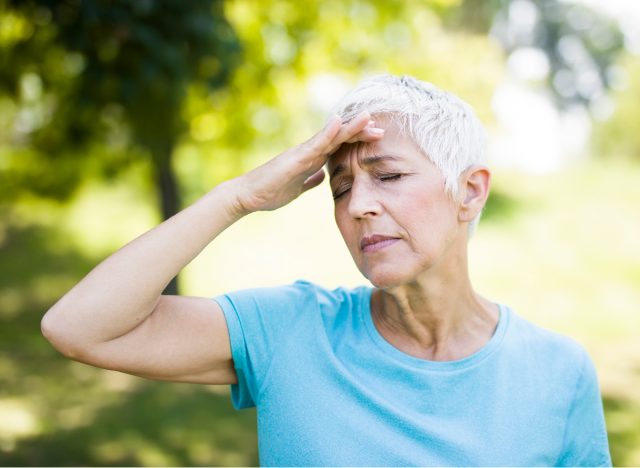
point(113, 115)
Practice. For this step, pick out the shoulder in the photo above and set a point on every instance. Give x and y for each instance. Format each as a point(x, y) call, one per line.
point(532, 335)
point(339, 298)
point(268, 299)
point(556, 366)
point(546, 348)
point(298, 297)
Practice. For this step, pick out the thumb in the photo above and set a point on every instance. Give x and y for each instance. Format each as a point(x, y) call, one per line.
point(313, 181)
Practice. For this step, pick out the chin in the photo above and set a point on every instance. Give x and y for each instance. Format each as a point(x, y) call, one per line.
point(387, 278)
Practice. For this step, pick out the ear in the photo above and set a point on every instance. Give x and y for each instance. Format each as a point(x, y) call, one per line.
point(474, 188)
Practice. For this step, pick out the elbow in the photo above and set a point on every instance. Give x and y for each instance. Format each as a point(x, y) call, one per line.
point(48, 328)
point(58, 336)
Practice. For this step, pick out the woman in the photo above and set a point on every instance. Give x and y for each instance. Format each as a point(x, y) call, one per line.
point(419, 370)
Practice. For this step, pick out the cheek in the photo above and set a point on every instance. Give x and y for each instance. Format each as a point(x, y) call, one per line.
point(429, 216)
point(344, 226)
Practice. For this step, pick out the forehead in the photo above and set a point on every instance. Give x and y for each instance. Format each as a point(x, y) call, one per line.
point(394, 146)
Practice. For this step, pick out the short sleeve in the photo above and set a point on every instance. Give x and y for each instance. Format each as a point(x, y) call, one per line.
point(259, 322)
point(585, 438)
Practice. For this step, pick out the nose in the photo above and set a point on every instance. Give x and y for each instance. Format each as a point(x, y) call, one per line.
point(363, 201)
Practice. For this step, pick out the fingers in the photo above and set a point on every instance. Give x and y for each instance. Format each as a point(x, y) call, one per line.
point(335, 133)
point(317, 149)
point(324, 137)
point(351, 128)
point(360, 128)
point(369, 133)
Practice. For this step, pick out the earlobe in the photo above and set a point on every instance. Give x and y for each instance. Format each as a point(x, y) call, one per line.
point(475, 183)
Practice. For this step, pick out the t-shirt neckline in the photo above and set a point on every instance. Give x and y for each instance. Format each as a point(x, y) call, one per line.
point(466, 362)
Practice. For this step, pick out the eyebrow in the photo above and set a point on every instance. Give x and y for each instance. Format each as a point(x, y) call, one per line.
point(370, 161)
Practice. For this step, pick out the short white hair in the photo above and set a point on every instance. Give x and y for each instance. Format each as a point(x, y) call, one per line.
point(444, 127)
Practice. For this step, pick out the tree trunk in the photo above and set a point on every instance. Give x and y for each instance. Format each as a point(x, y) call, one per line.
point(168, 193)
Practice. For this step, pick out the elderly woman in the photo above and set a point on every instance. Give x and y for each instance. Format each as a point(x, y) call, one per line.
point(418, 370)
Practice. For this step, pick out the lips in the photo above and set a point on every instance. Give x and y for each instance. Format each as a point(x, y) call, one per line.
point(369, 242)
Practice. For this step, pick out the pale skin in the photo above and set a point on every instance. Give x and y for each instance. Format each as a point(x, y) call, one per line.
point(117, 318)
point(424, 303)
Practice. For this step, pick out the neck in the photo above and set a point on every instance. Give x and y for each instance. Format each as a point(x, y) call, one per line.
point(436, 316)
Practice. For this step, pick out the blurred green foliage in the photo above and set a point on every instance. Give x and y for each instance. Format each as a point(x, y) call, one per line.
point(90, 86)
point(97, 78)
point(106, 105)
point(580, 45)
point(111, 75)
point(617, 137)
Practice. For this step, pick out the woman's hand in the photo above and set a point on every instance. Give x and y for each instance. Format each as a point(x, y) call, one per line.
point(285, 177)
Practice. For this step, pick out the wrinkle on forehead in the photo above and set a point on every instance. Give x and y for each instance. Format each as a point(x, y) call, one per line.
point(344, 154)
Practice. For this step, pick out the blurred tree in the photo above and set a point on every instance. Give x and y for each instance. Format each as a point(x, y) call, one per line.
point(92, 85)
point(618, 136)
point(85, 76)
point(574, 45)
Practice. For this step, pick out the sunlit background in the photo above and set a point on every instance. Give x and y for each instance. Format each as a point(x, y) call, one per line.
point(113, 115)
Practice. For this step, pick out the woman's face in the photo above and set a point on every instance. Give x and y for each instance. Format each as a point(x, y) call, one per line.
point(391, 208)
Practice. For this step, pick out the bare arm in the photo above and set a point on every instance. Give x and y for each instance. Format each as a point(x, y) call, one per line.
point(117, 318)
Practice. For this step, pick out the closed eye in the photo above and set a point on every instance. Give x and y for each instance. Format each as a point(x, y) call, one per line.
point(383, 178)
point(338, 193)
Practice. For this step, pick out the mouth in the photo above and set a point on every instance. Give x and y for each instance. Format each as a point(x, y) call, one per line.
point(376, 242)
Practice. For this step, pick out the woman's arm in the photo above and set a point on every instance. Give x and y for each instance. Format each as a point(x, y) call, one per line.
point(117, 318)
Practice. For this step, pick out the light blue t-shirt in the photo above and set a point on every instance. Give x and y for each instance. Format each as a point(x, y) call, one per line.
point(331, 391)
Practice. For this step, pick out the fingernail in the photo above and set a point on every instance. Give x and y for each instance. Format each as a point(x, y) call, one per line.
point(376, 131)
point(371, 123)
